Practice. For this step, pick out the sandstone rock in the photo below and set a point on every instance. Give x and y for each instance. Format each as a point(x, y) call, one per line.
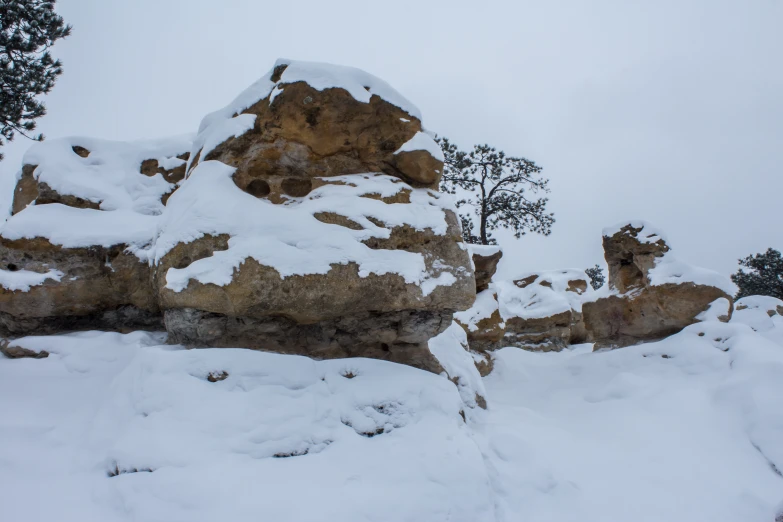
point(315, 120)
point(485, 262)
point(307, 233)
point(304, 219)
point(652, 294)
point(543, 311)
point(18, 352)
point(95, 288)
point(65, 264)
point(540, 312)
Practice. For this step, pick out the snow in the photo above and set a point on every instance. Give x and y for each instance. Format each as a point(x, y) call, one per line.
point(535, 300)
point(110, 174)
point(450, 348)
point(669, 270)
point(82, 227)
point(290, 239)
point(104, 403)
point(422, 141)
point(229, 121)
point(761, 313)
point(359, 84)
point(649, 233)
point(685, 429)
point(483, 307)
point(721, 307)
point(484, 250)
point(129, 200)
point(25, 279)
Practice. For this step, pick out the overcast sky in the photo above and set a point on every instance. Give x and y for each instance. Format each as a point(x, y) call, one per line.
point(668, 111)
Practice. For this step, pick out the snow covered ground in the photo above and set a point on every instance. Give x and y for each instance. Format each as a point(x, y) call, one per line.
point(115, 427)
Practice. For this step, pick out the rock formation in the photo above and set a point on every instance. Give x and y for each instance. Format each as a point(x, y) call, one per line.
point(72, 252)
point(485, 264)
point(315, 231)
point(651, 295)
point(533, 311)
point(308, 222)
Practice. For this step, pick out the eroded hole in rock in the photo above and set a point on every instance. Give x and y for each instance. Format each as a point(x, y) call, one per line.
point(80, 151)
point(12, 267)
point(297, 187)
point(258, 188)
point(217, 376)
point(311, 116)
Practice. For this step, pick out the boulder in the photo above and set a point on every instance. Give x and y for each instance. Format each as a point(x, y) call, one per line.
point(300, 229)
point(485, 263)
point(303, 121)
point(535, 311)
point(72, 255)
point(543, 311)
point(650, 294)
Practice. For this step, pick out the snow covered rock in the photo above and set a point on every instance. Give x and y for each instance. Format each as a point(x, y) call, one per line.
point(650, 294)
point(72, 255)
point(543, 311)
point(535, 311)
point(300, 229)
point(302, 121)
point(485, 264)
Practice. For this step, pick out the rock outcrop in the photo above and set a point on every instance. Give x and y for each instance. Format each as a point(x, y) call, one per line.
point(71, 255)
point(650, 294)
point(303, 218)
point(307, 232)
point(485, 264)
point(534, 311)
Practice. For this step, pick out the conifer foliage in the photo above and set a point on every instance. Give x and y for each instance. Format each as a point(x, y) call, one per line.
point(764, 277)
point(596, 275)
point(495, 191)
point(28, 29)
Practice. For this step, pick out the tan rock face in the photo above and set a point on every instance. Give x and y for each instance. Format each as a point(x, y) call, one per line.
point(642, 311)
point(653, 313)
point(486, 266)
point(301, 139)
point(100, 288)
point(630, 257)
point(306, 133)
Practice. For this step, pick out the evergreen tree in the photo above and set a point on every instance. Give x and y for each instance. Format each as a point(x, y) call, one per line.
point(764, 277)
point(596, 275)
point(28, 28)
point(496, 190)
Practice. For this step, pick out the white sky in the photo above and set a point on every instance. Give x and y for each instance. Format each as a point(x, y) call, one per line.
point(668, 111)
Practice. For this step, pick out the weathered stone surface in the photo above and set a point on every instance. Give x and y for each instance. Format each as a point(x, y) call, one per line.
point(301, 139)
point(393, 336)
point(306, 133)
point(630, 256)
point(647, 315)
point(101, 288)
point(486, 264)
point(640, 310)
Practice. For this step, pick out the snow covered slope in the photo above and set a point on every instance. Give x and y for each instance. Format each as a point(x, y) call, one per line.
point(115, 427)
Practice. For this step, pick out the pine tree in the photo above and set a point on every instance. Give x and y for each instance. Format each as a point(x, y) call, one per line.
point(495, 189)
point(28, 28)
point(596, 275)
point(765, 276)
